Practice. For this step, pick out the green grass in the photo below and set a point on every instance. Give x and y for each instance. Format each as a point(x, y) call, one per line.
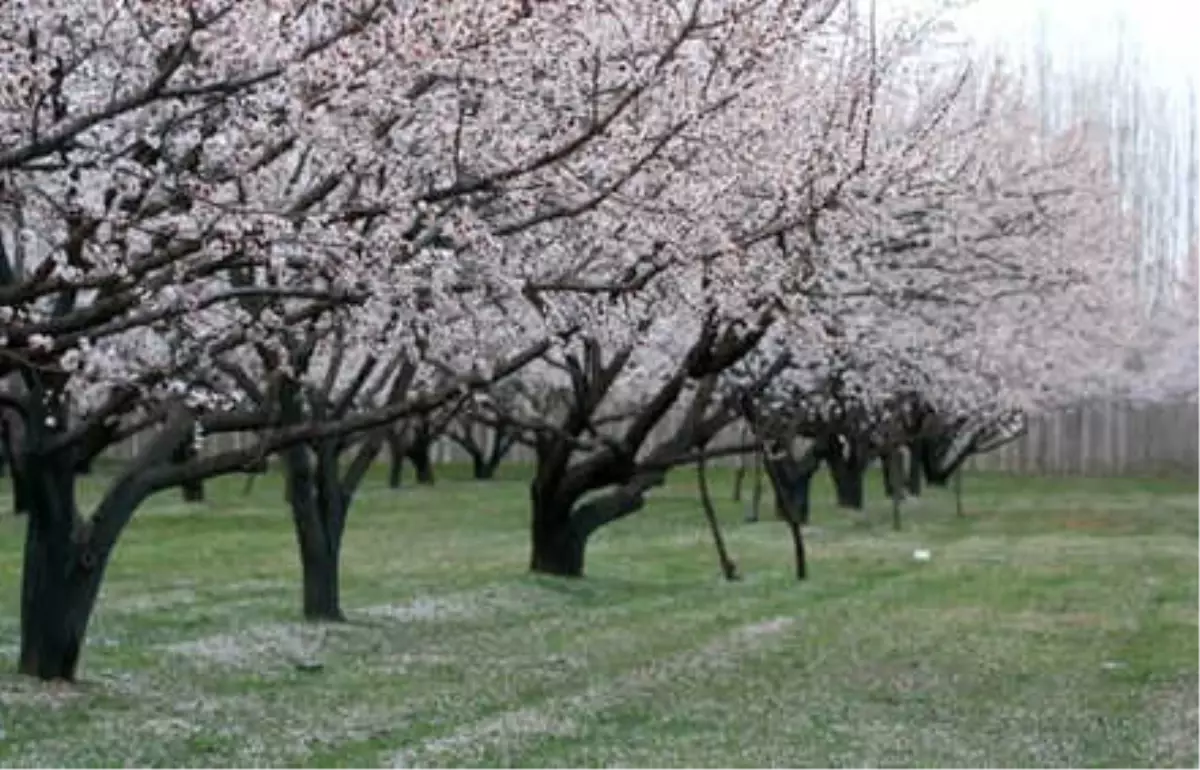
point(1055, 625)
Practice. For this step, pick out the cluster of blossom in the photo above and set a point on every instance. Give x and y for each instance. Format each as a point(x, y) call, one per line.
point(979, 270)
point(191, 186)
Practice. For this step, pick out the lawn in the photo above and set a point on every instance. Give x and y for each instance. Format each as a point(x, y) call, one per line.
point(1056, 624)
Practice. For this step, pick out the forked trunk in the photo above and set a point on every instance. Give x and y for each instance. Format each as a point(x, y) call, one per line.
point(562, 525)
point(318, 516)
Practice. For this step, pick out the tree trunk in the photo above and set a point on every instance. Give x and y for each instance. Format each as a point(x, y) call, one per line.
point(798, 548)
point(893, 474)
point(558, 549)
point(396, 455)
point(193, 491)
point(893, 481)
point(728, 566)
point(848, 483)
point(56, 604)
point(756, 493)
point(561, 527)
point(481, 469)
point(502, 444)
point(248, 487)
point(913, 482)
point(739, 476)
point(20, 497)
point(790, 481)
point(418, 453)
point(929, 454)
point(848, 469)
point(60, 579)
point(319, 563)
point(318, 518)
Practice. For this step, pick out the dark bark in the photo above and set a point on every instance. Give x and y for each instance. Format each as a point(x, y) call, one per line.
point(502, 443)
point(248, 487)
point(790, 481)
point(848, 467)
point(8, 455)
point(66, 554)
point(484, 459)
point(798, 549)
point(193, 489)
point(418, 454)
point(739, 476)
point(728, 566)
point(318, 513)
point(561, 523)
point(481, 470)
point(396, 450)
point(61, 575)
point(942, 454)
point(893, 474)
point(893, 481)
point(558, 548)
point(752, 513)
point(560, 533)
point(20, 497)
point(320, 493)
point(913, 476)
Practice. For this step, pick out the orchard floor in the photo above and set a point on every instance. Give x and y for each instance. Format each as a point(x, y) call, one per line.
point(1056, 624)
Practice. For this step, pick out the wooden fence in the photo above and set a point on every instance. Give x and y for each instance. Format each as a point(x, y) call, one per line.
point(1095, 439)
point(1103, 439)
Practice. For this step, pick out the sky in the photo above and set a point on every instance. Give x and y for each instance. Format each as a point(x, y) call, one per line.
point(1167, 31)
point(1111, 44)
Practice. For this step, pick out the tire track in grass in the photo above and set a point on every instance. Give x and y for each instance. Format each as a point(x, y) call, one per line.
point(563, 716)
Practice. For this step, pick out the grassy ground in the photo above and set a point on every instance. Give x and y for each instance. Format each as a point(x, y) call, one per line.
point(1055, 625)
